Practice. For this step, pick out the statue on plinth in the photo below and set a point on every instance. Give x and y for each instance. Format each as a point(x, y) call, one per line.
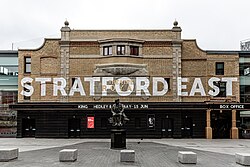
point(118, 116)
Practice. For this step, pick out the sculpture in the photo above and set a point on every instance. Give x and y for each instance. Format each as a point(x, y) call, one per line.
point(118, 116)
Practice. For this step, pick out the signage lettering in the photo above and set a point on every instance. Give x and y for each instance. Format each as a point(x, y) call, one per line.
point(125, 86)
point(232, 106)
point(101, 106)
point(108, 106)
point(83, 106)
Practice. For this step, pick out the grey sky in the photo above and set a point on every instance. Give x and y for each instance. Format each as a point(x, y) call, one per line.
point(216, 24)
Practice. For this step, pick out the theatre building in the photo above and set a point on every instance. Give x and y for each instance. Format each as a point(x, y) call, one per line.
point(170, 88)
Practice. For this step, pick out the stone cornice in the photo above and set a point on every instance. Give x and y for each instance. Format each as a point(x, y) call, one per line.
point(120, 40)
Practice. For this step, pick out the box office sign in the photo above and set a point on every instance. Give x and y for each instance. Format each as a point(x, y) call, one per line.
point(125, 86)
point(229, 106)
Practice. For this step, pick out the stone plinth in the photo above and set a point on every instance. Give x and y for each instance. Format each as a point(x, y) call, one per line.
point(187, 157)
point(127, 156)
point(8, 154)
point(242, 158)
point(118, 139)
point(68, 155)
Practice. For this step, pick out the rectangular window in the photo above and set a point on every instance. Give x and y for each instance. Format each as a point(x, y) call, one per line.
point(27, 65)
point(107, 50)
point(168, 81)
point(91, 122)
point(26, 90)
point(219, 68)
point(120, 50)
point(72, 81)
point(222, 87)
point(134, 50)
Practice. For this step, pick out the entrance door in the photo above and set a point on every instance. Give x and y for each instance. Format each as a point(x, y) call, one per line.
point(221, 124)
point(29, 127)
point(74, 127)
point(186, 127)
point(167, 128)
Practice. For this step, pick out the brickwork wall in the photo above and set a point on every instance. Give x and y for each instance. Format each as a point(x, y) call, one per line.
point(87, 66)
point(158, 56)
point(132, 34)
point(157, 50)
point(44, 63)
point(49, 65)
point(199, 64)
point(88, 48)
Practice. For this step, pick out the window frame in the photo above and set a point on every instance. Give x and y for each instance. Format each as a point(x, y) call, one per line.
point(122, 51)
point(219, 71)
point(109, 50)
point(134, 50)
point(27, 63)
point(222, 86)
point(168, 81)
point(73, 79)
point(26, 98)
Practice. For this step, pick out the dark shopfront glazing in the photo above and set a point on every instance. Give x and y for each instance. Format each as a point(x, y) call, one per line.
point(62, 122)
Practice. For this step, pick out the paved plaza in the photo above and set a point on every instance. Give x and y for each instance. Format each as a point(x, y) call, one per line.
point(149, 152)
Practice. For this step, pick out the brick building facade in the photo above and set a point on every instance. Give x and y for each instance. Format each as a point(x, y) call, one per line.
point(156, 74)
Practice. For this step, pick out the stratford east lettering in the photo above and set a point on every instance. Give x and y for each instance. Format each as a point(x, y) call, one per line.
point(125, 86)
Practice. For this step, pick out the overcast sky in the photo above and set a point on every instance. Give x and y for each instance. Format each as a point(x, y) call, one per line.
point(215, 24)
